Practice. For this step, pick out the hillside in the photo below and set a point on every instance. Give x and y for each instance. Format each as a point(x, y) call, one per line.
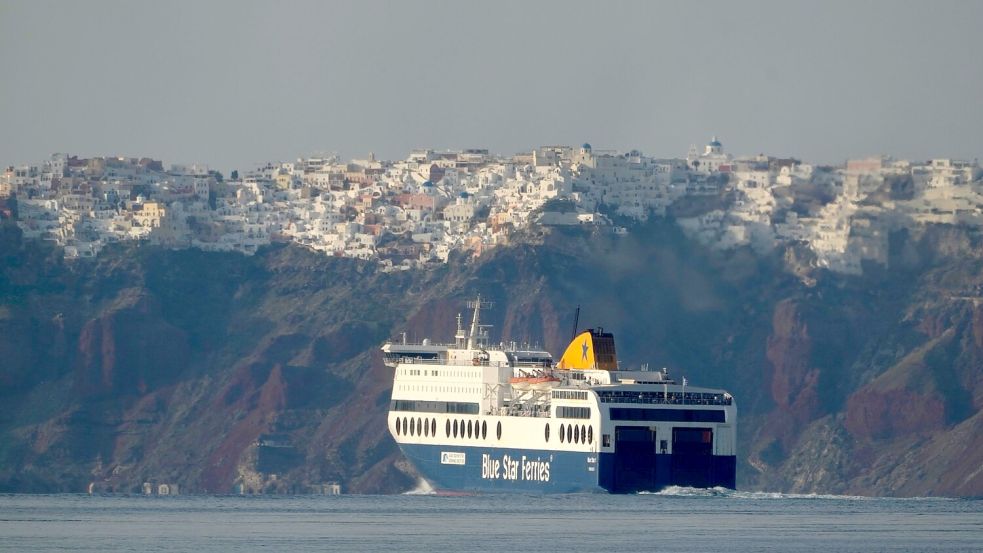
point(148, 364)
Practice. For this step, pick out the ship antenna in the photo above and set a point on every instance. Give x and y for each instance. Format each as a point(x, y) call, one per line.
point(473, 331)
point(459, 335)
point(576, 322)
point(478, 332)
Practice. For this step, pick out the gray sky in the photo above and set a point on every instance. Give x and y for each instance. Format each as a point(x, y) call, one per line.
point(232, 83)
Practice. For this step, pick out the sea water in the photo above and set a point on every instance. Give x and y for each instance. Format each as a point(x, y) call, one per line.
point(675, 520)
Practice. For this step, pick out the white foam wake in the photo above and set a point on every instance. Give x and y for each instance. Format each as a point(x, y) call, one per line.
point(682, 491)
point(422, 488)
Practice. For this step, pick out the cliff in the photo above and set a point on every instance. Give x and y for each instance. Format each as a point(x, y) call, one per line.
point(220, 372)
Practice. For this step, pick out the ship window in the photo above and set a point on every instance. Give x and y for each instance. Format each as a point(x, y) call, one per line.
point(590, 434)
point(447, 429)
point(570, 433)
point(405, 427)
point(419, 426)
point(426, 428)
point(455, 429)
point(669, 415)
point(433, 427)
point(412, 427)
point(498, 430)
point(576, 434)
point(469, 429)
point(398, 426)
point(434, 406)
point(583, 433)
point(484, 429)
point(562, 436)
point(573, 412)
point(547, 431)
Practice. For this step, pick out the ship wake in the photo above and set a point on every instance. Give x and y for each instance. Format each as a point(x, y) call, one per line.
point(422, 488)
point(683, 491)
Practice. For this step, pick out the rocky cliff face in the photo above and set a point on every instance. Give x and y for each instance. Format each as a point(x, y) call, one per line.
point(220, 372)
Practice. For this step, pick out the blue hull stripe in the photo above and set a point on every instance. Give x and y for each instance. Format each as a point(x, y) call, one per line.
point(484, 469)
point(488, 469)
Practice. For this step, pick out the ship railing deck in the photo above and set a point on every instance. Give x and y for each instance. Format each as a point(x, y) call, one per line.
point(530, 365)
point(471, 363)
point(463, 363)
point(486, 347)
point(674, 398)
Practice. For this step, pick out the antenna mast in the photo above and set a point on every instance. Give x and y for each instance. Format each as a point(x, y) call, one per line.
point(478, 333)
point(576, 322)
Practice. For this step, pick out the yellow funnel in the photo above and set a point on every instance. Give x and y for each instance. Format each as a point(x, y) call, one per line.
point(591, 349)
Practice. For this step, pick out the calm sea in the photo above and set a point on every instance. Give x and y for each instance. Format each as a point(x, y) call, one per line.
point(679, 520)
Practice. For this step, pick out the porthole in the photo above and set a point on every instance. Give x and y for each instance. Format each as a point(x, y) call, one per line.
point(398, 426)
point(576, 434)
point(583, 433)
point(547, 431)
point(433, 427)
point(498, 430)
point(412, 427)
point(426, 429)
point(419, 426)
point(406, 427)
point(562, 437)
point(455, 429)
point(590, 434)
point(462, 428)
point(570, 433)
point(484, 429)
point(447, 429)
point(469, 429)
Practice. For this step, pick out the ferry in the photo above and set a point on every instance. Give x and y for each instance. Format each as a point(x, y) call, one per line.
point(476, 417)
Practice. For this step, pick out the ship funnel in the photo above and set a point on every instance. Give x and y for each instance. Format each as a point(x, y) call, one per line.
point(591, 349)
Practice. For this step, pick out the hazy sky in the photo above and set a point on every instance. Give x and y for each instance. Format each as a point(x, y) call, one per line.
point(232, 83)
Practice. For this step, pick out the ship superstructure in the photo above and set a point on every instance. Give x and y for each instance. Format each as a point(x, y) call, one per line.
point(472, 416)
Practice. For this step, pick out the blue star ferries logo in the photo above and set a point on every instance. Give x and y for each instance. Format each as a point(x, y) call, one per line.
point(583, 351)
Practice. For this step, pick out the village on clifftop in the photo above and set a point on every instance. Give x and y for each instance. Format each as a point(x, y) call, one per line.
point(410, 213)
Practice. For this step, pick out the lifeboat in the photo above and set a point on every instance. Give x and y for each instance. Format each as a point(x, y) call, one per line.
point(534, 382)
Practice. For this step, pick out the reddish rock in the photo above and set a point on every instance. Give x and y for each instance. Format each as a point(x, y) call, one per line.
point(437, 321)
point(130, 349)
point(932, 326)
point(875, 414)
point(788, 349)
point(262, 402)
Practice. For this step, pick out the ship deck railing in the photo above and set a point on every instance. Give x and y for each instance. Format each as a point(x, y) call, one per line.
point(674, 398)
point(486, 347)
point(449, 362)
point(464, 363)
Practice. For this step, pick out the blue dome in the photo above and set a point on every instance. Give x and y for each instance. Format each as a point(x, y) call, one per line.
point(427, 183)
point(586, 146)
